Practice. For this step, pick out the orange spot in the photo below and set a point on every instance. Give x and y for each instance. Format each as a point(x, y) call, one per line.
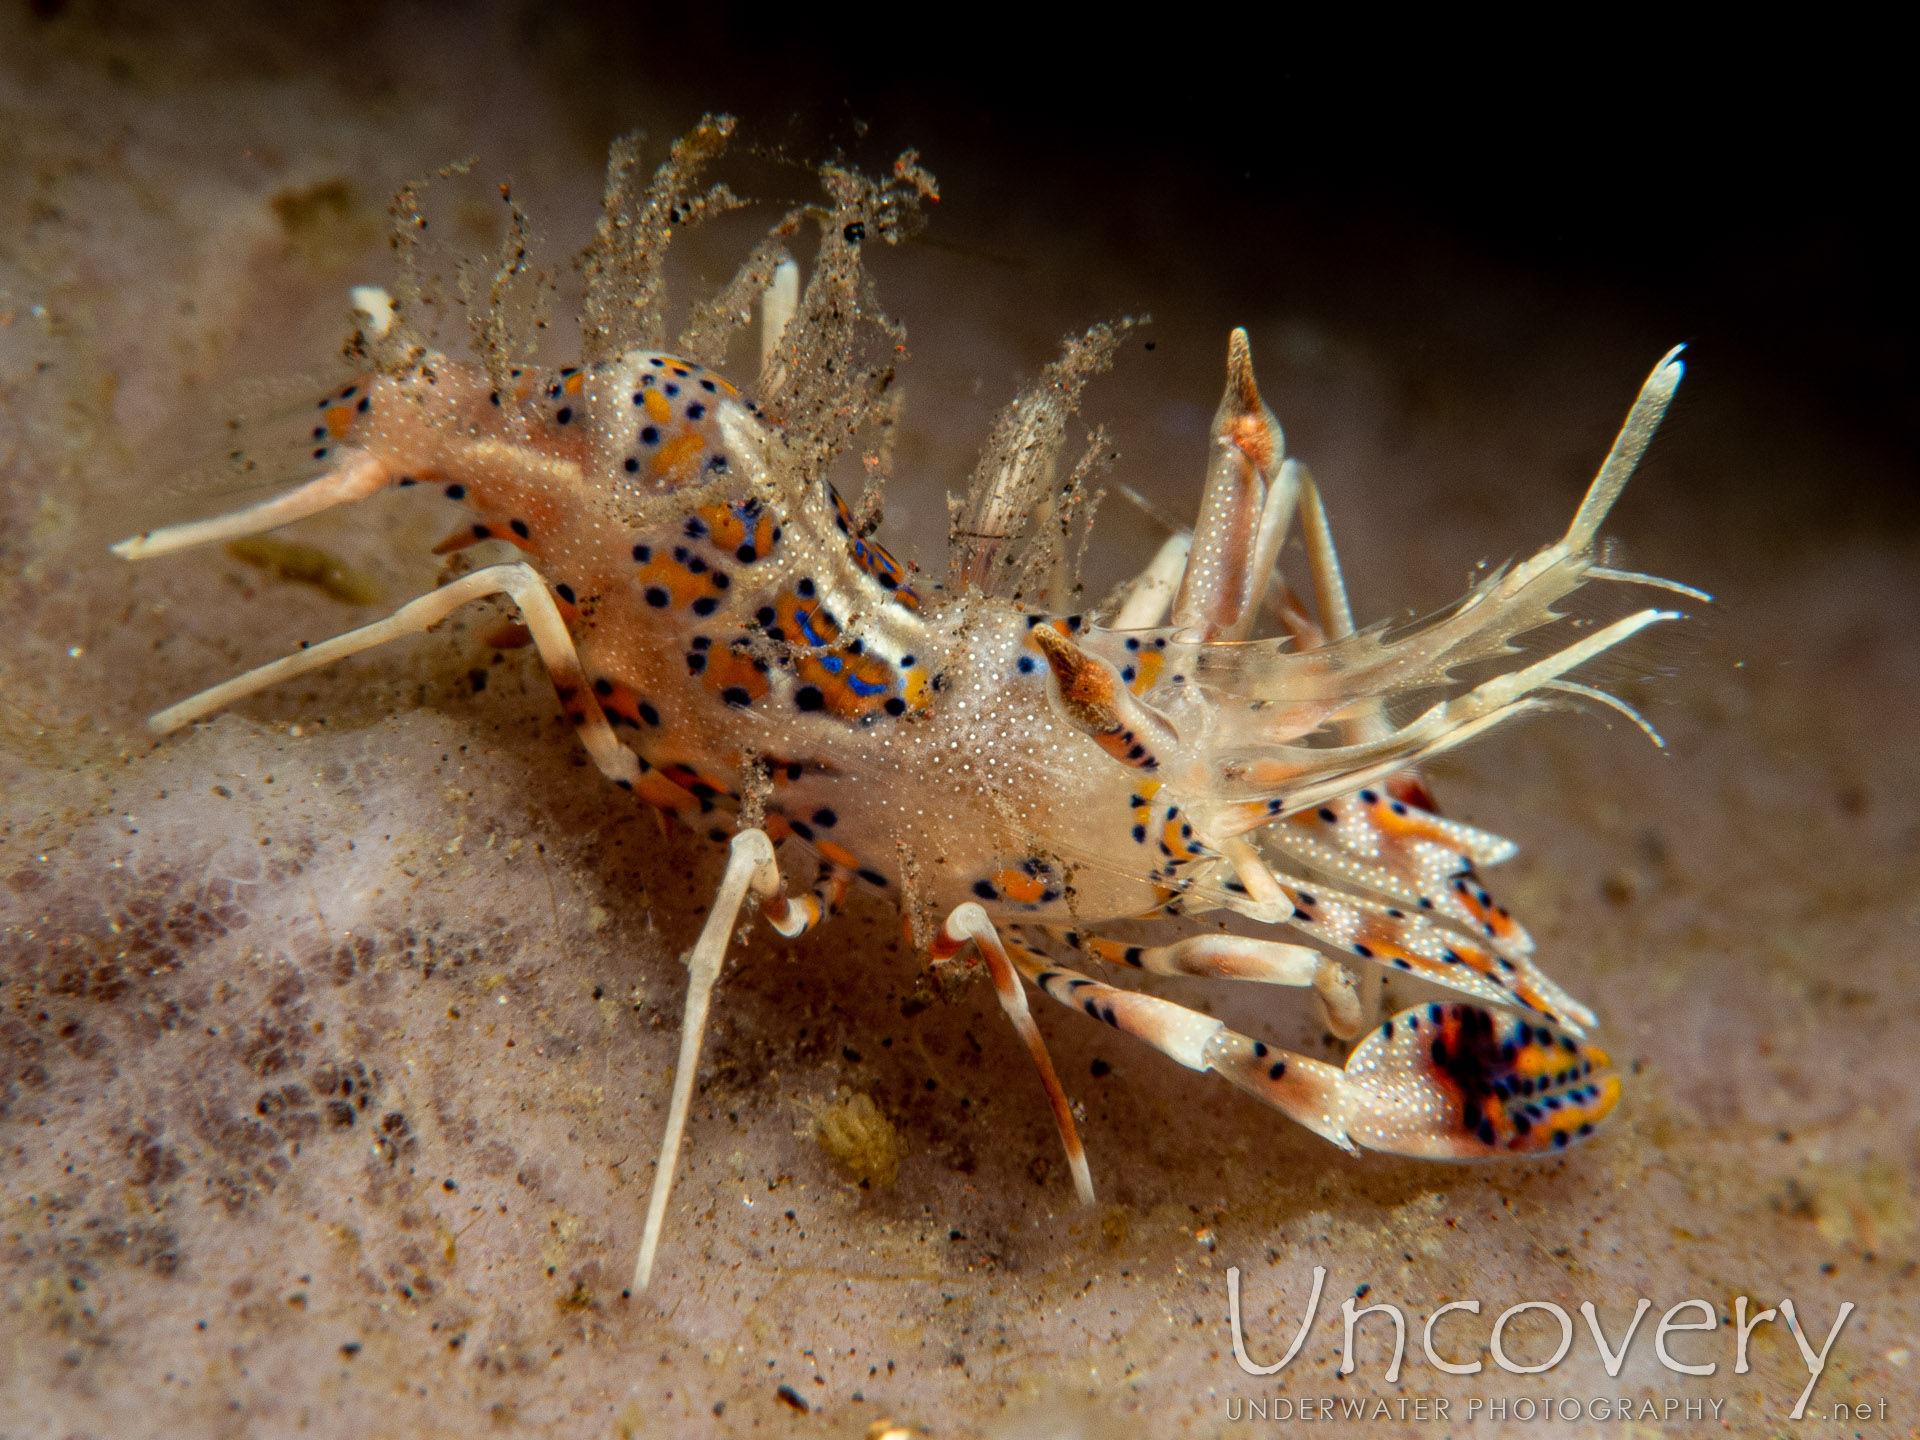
point(680, 583)
point(1251, 437)
point(1146, 670)
point(574, 383)
point(657, 406)
point(657, 790)
point(839, 855)
point(735, 669)
point(916, 689)
point(1019, 887)
point(339, 419)
point(678, 455)
point(726, 528)
point(1182, 847)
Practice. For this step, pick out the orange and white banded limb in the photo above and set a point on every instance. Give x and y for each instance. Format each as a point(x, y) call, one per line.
point(969, 925)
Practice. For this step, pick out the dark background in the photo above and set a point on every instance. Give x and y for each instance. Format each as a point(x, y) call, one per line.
point(1752, 186)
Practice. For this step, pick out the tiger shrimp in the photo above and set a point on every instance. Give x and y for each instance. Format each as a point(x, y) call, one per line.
point(735, 648)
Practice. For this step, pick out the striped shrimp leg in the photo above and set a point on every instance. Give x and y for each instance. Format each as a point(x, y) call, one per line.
point(968, 924)
point(1238, 957)
point(794, 918)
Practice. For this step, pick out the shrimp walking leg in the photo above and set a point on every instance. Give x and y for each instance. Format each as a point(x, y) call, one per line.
point(968, 924)
point(794, 918)
point(1238, 957)
point(360, 476)
point(750, 869)
point(521, 582)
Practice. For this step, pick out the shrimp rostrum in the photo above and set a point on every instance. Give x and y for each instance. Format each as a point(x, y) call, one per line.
point(736, 648)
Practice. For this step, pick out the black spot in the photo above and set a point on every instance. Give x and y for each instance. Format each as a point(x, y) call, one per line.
point(1326, 814)
point(808, 697)
point(456, 492)
point(672, 389)
point(649, 714)
point(735, 695)
point(895, 706)
point(708, 386)
point(649, 435)
point(872, 877)
point(564, 414)
point(1276, 1070)
point(1026, 665)
point(806, 589)
point(801, 828)
point(720, 580)
point(855, 233)
point(481, 532)
point(746, 554)
point(643, 553)
point(695, 412)
point(705, 605)
point(696, 661)
point(825, 819)
point(519, 527)
point(985, 890)
point(603, 687)
point(631, 465)
point(565, 592)
point(657, 597)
